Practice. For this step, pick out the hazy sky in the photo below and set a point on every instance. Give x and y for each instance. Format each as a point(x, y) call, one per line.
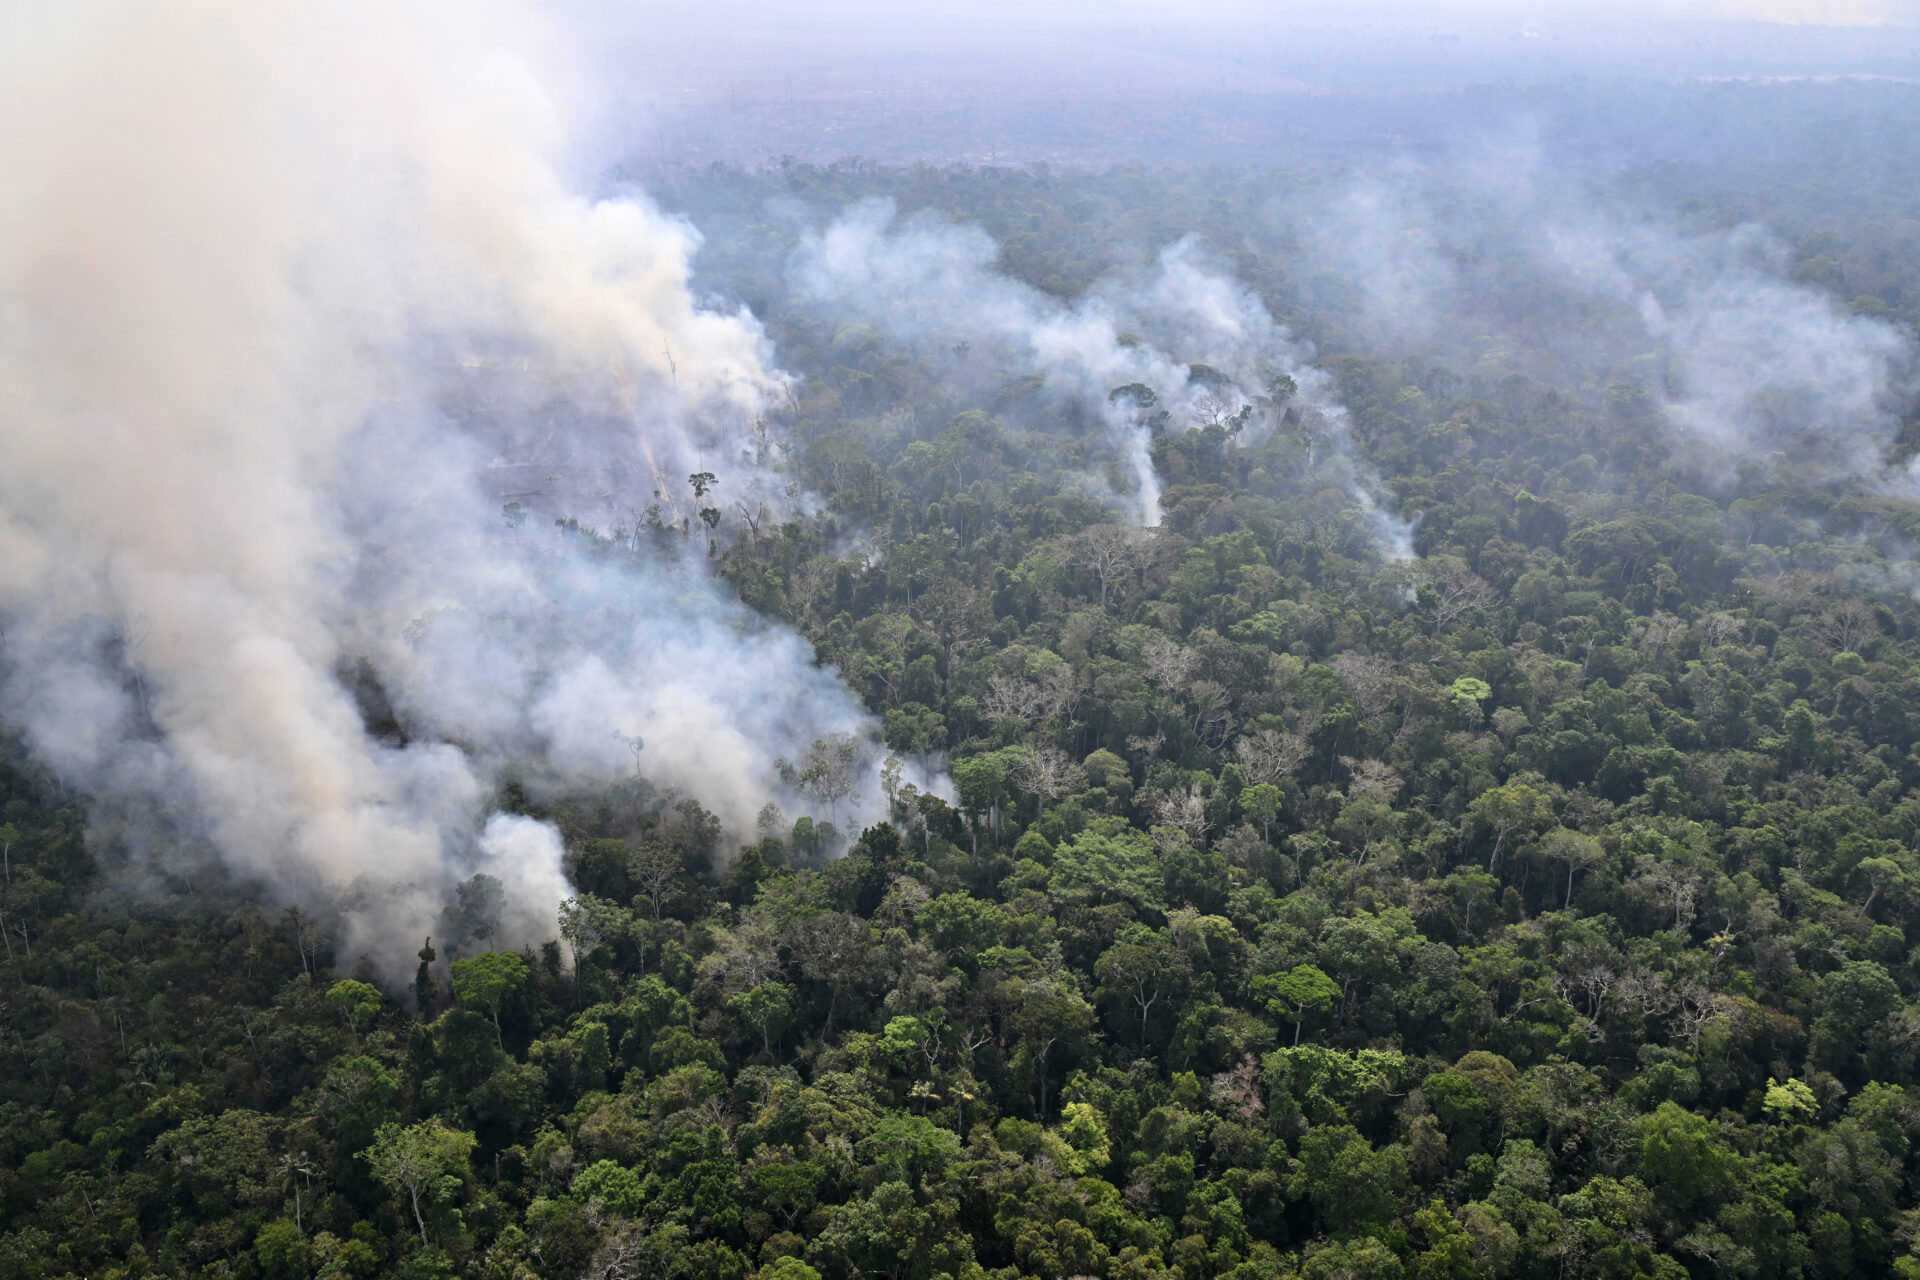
point(871, 16)
point(1821, 12)
point(742, 48)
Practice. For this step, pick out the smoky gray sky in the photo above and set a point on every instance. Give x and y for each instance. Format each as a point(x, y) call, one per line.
point(743, 82)
point(688, 43)
point(1566, 15)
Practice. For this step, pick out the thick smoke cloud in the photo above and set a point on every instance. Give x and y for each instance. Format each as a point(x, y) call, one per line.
point(1204, 345)
point(295, 299)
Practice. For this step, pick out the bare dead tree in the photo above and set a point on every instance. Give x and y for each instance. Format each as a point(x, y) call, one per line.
point(1649, 990)
point(1369, 680)
point(1048, 696)
point(306, 937)
point(653, 867)
point(632, 1252)
point(1844, 625)
point(1238, 1090)
point(1045, 772)
point(1705, 692)
point(1059, 689)
point(1372, 780)
point(1213, 409)
point(752, 516)
point(765, 444)
point(745, 957)
point(1267, 755)
point(1169, 664)
point(1668, 883)
point(1008, 697)
point(1183, 809)
point(806, 582)
point(834, 948)
point(1458, 591)
point(1720, 627)
point(1212, 718)
point(1110, 552)
point(1660, 631)
point(1696, 1007)
point(1146, 744)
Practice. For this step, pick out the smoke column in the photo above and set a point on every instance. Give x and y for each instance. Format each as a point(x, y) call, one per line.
point(1758, 366)
point(930, 284)
point(294, 299)
point(1748, 367)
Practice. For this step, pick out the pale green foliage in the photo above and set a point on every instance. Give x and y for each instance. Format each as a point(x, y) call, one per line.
point(613, 1185)
point(1109, 862)
point(1789, 1101)
point(489, 980)
point(1083, 1134)
point(1470, 691)
point(424, 1161)
point(1326, 1084)
point(356, 1001)
point(1301, 989)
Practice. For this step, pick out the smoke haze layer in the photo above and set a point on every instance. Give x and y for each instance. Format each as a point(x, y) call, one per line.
point(1202, 345)
point(1746, 368)
point(295, 300)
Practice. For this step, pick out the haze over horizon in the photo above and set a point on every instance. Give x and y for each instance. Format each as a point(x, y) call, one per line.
point(1223, 83)
point(1063, 641)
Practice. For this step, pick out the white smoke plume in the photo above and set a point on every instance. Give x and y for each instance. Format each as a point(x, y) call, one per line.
point(932, 284)
point(1757, 364)
point(294, 299)
point(1746, 365)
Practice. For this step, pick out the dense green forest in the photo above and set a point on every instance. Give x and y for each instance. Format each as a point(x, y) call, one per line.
point(1546, 906)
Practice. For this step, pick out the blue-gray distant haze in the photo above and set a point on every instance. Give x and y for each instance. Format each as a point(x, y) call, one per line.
point(1417, 164)
point(1279, 85)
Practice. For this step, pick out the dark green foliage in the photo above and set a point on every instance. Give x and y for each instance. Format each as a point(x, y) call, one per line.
point(1549, 908)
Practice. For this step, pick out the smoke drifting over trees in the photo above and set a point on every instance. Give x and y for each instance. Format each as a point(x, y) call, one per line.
point(1746, 364)
point(1239, 655)
point(296, 301)
point(1179, 342)
point(303, 304)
